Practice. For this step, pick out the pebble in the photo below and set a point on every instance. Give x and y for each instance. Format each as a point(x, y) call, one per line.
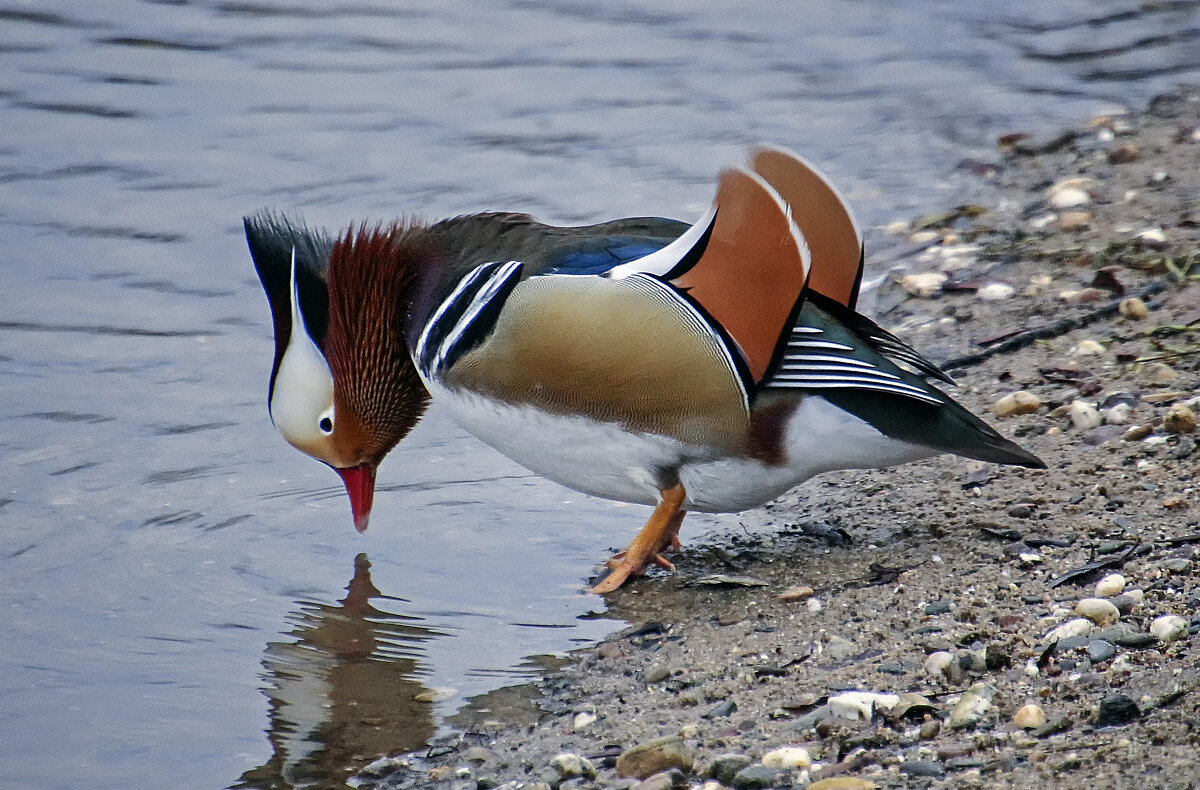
point(1137, 641)
point(1109, 586)
point(1137, 432)
point(1019, 402)
point(797, 593)
point(1124, 604)
point(843, 783)
point(787, 757)
point(1070, 193)
point(655, 756)
point(1100, 611)
point(1087, 348)
point(995, 292)
point(725, 766)
point(924, 285)
point(1169, 627)
point(1030, 717)
point(937, 607)
point(755, 777)
point(667, 780)
point(922, 768)
point(1084, 415)
point(836, 647)
point(1152, 239)
point(656, 674)
point(1074, 221)
point(435, 695)
point(1080, 626)
point(1120, 414)
point(930, 729)
point(1157, 373)
point(1115, 710)
point(570, 765)
point(583, 719)
point(1179, 419)
point(975, 702)
point(1175, 564)
point(860, 704)
point(1133, 308)
point(1122, 154)
point(1054, 726)
point(1099, 651)
point(719, 710)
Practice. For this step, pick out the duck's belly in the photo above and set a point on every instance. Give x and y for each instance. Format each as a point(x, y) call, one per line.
point(605, 460)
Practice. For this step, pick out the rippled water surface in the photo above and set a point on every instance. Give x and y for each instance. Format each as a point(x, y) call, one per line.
point(184, 600)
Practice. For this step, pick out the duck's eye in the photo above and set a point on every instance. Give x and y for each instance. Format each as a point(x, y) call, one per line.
point(326, 425)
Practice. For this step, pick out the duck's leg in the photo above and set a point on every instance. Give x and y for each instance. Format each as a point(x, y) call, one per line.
point(661, 531)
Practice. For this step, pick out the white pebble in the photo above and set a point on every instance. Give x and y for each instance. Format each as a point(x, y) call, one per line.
point(995, 292)
point(937, 663)
point(570, 765)
point(1118, 414)
point(1070, 192)
point(1087, 348)
point(813, 605)
point(1019, 402)
point(860, 704)
point(1169, 627)
point(1084, 415)
point(435, 695)
point(926, 284)
point(1098, 610)
point(583, 720)
point(1111, 585)
point(896, 228)
point(1135, 595)
point(1152, 238)
point(1070, 198)
point(787, 757)
point(1030, 717)
point(1080, 626)
point(970, 709)
point(923, 236)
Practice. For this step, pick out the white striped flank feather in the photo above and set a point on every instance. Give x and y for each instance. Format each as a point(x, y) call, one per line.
point(835, 368)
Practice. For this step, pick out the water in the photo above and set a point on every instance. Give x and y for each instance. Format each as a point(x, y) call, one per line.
point(174, 603)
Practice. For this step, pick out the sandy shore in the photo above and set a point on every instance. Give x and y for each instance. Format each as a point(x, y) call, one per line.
point(937, 587)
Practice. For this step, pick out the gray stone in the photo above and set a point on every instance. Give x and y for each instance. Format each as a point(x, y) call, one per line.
point(721, 709)
point(1100, 651)
point(756, 777)
point(657, 674)
point(1137, 641)
point(1116, 710)
point(922, 768)
point(937, 607)
point(726, 766)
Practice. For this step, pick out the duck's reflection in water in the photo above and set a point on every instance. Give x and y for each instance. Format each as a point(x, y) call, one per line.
point(345, 685)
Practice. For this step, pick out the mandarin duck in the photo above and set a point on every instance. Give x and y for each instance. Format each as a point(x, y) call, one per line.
point(708, 367)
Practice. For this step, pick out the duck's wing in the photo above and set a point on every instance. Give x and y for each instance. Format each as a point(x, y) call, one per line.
point(823, 216)
point(743, 266)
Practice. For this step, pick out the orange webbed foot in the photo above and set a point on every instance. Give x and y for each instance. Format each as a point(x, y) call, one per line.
point(660, 533)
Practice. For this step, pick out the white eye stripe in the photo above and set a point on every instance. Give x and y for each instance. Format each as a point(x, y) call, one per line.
point(303, 394)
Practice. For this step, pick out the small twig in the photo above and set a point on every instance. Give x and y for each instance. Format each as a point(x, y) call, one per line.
point(1061, 327)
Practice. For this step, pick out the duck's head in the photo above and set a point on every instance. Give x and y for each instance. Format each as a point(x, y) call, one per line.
point(343, 388)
